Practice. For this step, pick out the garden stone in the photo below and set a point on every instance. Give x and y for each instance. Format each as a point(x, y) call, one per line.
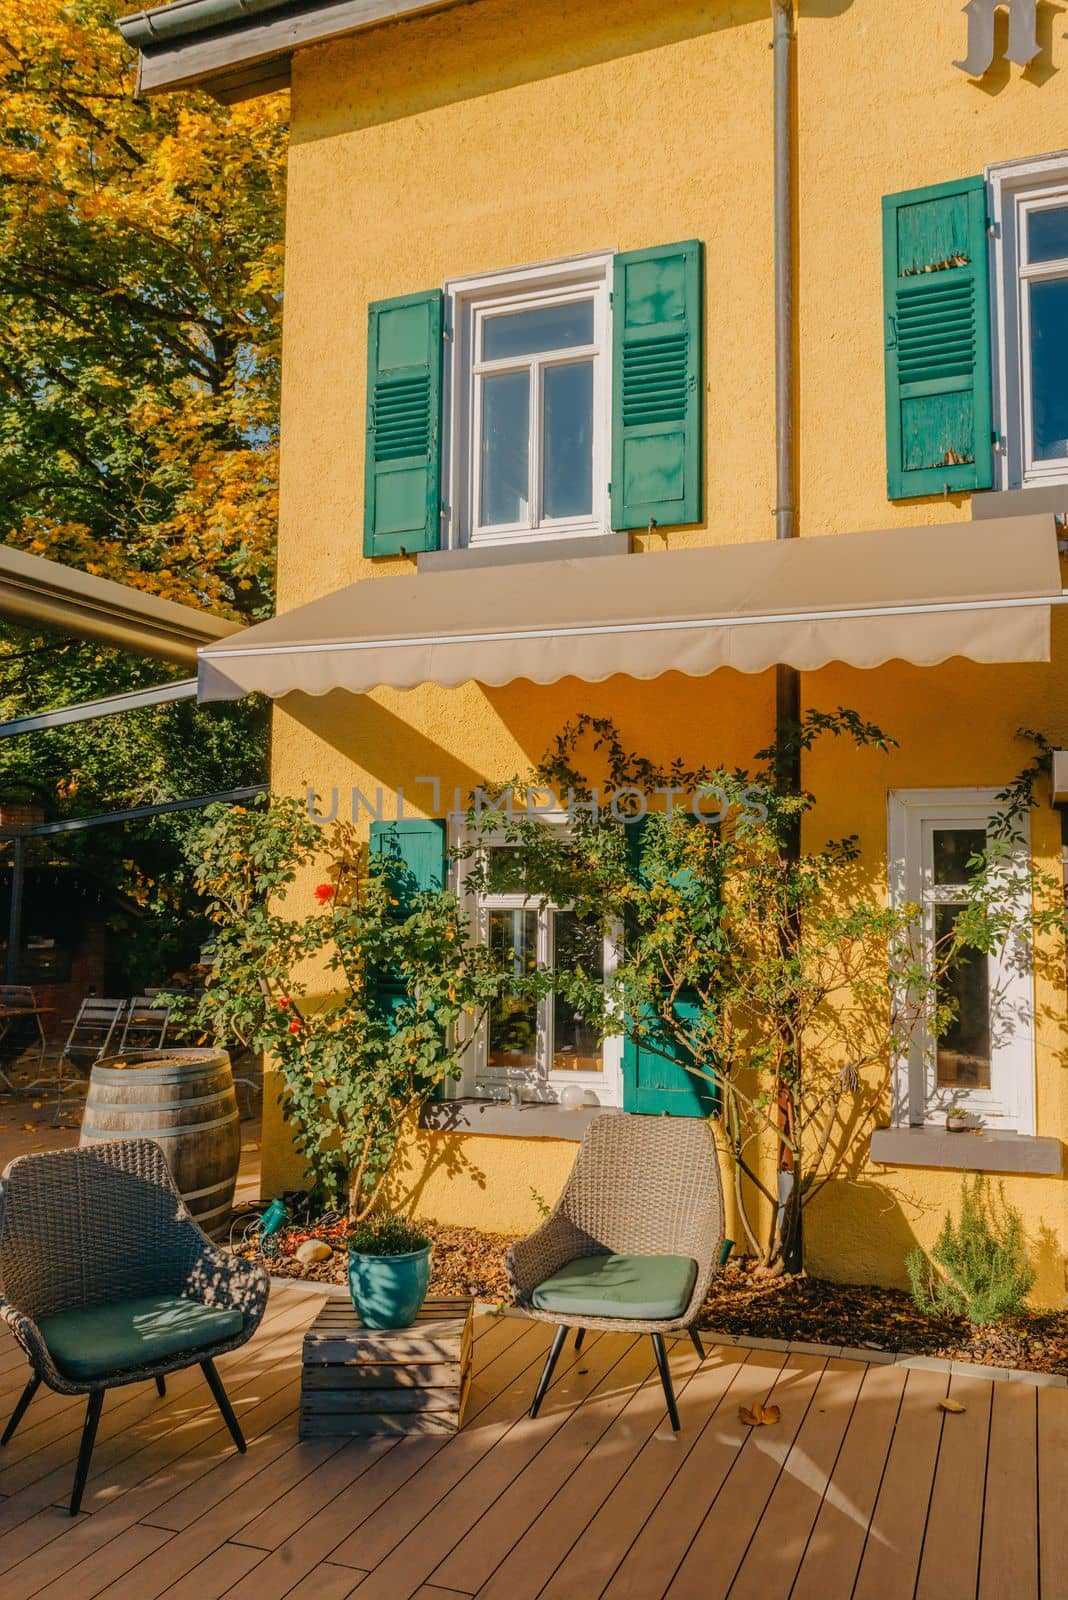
point(313, 1251)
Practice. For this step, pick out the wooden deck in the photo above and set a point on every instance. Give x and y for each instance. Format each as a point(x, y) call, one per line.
point(865, 1488)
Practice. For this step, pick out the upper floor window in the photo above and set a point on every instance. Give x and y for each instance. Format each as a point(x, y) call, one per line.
point(530, 388)
point(1030, 216)
point(547, 402)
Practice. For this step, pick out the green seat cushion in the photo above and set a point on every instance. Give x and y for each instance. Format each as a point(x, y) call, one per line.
point(640, 1288)
point(99, 1341)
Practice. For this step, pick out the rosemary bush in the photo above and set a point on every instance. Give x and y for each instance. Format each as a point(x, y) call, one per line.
point(978, 1268)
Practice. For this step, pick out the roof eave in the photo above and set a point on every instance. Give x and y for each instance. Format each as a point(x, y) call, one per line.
point(250, 54)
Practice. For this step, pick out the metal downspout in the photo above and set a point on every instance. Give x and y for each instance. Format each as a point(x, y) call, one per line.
point(787, 679)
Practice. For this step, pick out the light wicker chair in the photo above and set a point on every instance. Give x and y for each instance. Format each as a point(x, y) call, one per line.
point(640, 1186)
point(91, 1230)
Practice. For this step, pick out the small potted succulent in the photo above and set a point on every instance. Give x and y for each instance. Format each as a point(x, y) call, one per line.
point(389, 1270)
point(958, 1117)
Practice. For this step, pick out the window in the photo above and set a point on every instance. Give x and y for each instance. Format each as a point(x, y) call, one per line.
point(985, 1060)
point(530, 390)
point(1030, 214)
point(545, 1045)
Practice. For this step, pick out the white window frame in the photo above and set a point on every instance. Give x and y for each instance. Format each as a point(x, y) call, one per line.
point(543, 1084)
point(1014, 189)
point(468, 301)
point(1009, 1103)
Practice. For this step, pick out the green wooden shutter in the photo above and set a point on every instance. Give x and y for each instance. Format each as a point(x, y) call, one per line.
point(657, 387)
point(402, 493)
point(938, 379)
point(655, 1078)
point(414, 850)
point(415, 857)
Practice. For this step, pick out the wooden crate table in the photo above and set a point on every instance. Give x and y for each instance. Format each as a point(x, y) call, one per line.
point(358, 1382)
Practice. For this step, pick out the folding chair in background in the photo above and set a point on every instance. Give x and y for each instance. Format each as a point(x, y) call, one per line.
point(90, 1037)
point(145, 1025)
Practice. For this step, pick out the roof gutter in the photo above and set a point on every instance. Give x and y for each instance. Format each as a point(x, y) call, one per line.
point(143, 29)
point(237, 49)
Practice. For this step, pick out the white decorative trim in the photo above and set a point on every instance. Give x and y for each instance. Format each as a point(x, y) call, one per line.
point(1013, 188)
point(1010, 1101)
point(467, 299)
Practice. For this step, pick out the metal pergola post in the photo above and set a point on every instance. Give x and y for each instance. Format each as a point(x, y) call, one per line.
point(14, 920)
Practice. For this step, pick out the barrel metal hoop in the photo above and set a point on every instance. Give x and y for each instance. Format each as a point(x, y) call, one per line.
point(198, 1194)
point(159, 1133)
point(154, 1105)
point(150, 1075)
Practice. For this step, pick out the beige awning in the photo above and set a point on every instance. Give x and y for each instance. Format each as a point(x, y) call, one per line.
point(36, 593)
point(980, 590)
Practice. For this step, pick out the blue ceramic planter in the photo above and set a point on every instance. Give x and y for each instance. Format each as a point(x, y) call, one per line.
point(388, 1291)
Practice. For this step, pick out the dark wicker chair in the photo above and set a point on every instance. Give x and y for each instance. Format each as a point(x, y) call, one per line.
point(106, 1280)
point(641, 1188)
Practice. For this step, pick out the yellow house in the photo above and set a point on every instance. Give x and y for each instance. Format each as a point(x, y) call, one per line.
point(676, 364)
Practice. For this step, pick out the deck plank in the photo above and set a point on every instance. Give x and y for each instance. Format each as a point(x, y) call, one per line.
point(409, 1564)
point(578, 1537)
point(1052, 1492)
point(949, 1567)
point(585, 1451)
point(640, 1557)
point(376, 1536)
point(778, 1545)
point(96, 1571)
point(210, 1579)
point(891, 1558)
point(1008, 1558)
point(720, 1543)
point(836, 1543)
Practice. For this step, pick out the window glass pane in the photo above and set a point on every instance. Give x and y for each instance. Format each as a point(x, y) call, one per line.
point(963, 1053)
point(952, 849)
point(1049, 362)
point(575, 1044)
point(525, 333)
point(567, 443)
point(505, 448)
point(513, 1020)
point(1047, 234)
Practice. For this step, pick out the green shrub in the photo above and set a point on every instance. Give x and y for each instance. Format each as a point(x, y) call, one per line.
point(978, 1268)
point(384, 1234)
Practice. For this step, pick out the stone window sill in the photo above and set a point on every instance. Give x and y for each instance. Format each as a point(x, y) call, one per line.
point(990, 1150)
point(533, 1120)
point(524, 550)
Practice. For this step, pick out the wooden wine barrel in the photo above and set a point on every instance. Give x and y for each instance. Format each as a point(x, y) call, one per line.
point(185, 1100)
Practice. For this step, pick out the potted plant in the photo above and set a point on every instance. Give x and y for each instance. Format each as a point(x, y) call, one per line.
point(389, 1270)
point(958, 1117)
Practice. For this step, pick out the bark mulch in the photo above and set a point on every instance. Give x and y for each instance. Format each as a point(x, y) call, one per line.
point(812, 1310)
point(465, 1262)
point(809, 1310)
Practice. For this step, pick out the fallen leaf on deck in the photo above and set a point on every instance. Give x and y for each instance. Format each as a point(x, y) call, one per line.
point(952, 1405)
point(757, 1415)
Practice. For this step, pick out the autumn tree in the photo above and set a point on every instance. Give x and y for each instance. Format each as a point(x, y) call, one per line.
point(140, 293)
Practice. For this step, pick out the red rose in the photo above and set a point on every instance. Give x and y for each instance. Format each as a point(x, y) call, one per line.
point(294, 1026)
point(324, 893)
point(284, 1001)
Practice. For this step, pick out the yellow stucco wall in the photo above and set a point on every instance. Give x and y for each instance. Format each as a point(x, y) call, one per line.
point(508, 132)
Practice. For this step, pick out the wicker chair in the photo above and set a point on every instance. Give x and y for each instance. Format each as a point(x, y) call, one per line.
point(106, 1280)
point(642, 1188)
